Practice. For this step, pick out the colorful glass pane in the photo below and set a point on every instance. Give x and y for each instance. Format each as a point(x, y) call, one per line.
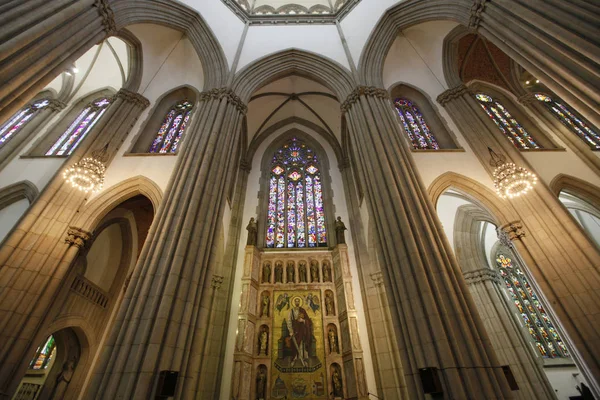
point(571, 121)
point(536, 320)
point(44, 354)
point(171, 131)
point(415, 126)
point(17, 122)
point(507, 124)
point(295, 214)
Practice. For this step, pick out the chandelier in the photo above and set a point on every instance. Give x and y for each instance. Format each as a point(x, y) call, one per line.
point(509, 180)
point(87, 174)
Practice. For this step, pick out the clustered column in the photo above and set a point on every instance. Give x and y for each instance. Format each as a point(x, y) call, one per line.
point(162, 323)
point(37, 255)
point(435, 315)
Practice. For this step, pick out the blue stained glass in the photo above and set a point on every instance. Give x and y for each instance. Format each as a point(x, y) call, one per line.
point(291, 216)
point(17, 122)
point(171, 130)
point(271, 212)
point(280, 233)
point(310, 213)
point(415, 126)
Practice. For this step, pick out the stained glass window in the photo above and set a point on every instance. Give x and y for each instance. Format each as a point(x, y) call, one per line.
point(507, 124)
point(20, 119)
point(536, 320)
point(415, 126)
point(170, 132)
point(295, 215)
point(44, 354)
point(571, 121)
point(77, 131)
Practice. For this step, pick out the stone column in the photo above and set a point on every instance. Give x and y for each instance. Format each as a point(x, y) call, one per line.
point(161, 324)
point(560, 257)
point(40, 39)
point(37, 255)
point(422, 278)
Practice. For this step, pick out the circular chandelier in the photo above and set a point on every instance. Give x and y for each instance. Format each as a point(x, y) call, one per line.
point(87, 174)
point(510, 180)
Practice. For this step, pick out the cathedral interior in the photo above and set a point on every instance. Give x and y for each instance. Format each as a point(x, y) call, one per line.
point(299, 199)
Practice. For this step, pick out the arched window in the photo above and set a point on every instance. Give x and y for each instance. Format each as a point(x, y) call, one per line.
point(415, 126)
point(295, 216)
point(44, 354)
point(75, 133)
point(507, 123)
point(537, 321)
point(20, 119)
point(170, 132)
point(571, 121)
point(586, 214)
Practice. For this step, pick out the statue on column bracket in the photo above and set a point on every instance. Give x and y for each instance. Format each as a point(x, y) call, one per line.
point(302, 271)
point(252, 229)
point(339, 231)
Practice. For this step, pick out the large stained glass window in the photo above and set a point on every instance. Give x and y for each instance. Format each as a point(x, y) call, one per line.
point(170, 132)
point(296, 216)
point(20, 119)
point(44, 354)
point(75, 133)
point(415, 126)
point(572, 121)
point(507, 123)
point(535, 318)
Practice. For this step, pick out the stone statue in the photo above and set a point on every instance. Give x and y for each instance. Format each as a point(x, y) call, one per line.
point(302, 271)
point(266, 275)
point(261, 383)
point(252, 229)
point(329, 307)
point(326, 272)
point(62, 380)
point(336, 380)
point(339, 231)
point(279, 272)
point(314, 271)
point(291, 273)
point(266, 301)
point(263, 340)
point(333, 342)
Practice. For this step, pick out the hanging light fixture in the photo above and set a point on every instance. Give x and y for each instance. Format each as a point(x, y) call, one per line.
point(87, 174)
point(509, 180)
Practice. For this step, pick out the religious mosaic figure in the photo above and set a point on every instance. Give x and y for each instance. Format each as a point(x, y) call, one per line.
point(302, 271)
point(329, 305)
point(266, 275)
point(278, 272)
point(252, 229)
point(326, 272)
point(261, 383)
point(314, 271)
point(339, 231)
point(291, 273)
point(336, 381)
point(266, 301)
point(333, 342)
point(297, 337)
point(263, 341)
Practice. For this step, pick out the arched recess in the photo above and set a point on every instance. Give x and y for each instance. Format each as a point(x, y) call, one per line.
point(178, 16)
point(93, 212)
point(293, 62)
point(156, 116)
point(20, 196)
point(577, 187)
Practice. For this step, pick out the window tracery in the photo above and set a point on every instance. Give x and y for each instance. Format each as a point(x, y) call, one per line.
point(415, 126)
point(169, 135)
point(295, 214)
point(571, 121)
point(77, 131)
point(507, 124)
point(20, 119)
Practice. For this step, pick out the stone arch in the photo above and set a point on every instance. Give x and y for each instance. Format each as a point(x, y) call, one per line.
point(136, 60)
point(293, 62)
point(185, 19)
point(93, 212)
point(17, 191)
point(577, 187)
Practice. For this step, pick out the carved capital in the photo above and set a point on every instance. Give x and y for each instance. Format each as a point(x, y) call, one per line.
point(451, 94)
point(226, 93)
point(477, 10)
point(107, 15)
point(344, 163)
point(133, 97)
point(362, 91)
point(245, 165)
point(216, 282)
point(56, 105)
point(511, 231)
point(527, 98)
point(77, 237)
point(377, 278)
point(482, 275)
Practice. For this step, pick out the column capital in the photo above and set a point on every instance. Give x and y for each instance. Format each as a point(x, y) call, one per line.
point(133, 97)
point(451, 94)
point(477, 10)
point(216, 282)
point(56, 105)
point(377, 278)
point(362, 91)
point(527, 98)
point(509, 232)
point(227, 93)
point(77, 237)
point(245, 165)
point(108, 16)
point(482, 275)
